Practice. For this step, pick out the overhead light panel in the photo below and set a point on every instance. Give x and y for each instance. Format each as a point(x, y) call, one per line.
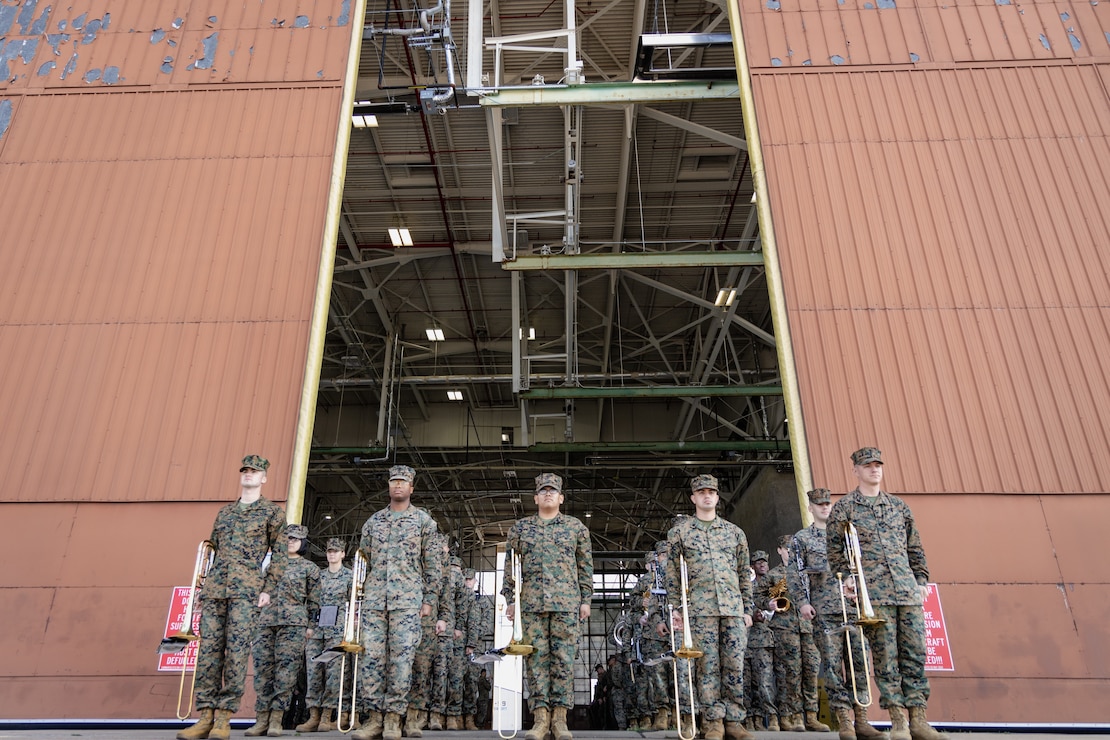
point(434, 335)
point(400, 237)
point(454, 395)
point(531, 332)
point(725, 297)
point(364, 120)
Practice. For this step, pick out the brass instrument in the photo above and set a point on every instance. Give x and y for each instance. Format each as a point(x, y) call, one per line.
point(352, 643)
point(687, 652)
point(778, 597)
point(865, 613)
point(178, 641)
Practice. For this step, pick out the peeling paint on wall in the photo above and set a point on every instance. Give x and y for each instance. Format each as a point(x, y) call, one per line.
point(885, 4)
point(94, 26)
point(776, 62)
point(836, 59)
point(70, 67)
point(301, 22)
point(46, 68)
point(209, 43)
point(914, 57)
point(167, 65)
point(25, 16)
point(55, 40)
point(5, 116)
point(13, 49)
point(345, 13)
point(157, 35)
point(1001, 2)
point(1074, 40)
point(1044, 42)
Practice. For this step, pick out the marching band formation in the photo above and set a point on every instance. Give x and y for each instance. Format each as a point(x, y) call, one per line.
point(714, 640)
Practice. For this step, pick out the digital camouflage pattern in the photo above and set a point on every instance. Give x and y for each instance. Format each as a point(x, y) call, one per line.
point(385, 669)
point(557, 569)
point(866, 455)
point(453, 643)
point(254, 462)
point(402, 472)
point(323, 678)
point(549, 480)
point(796, 658)
point(819, 496)
point(720, 594)
point(699, 482)
point(297, 530)
point(241, 536)
point(278, 651)
point(473, 632)
point(620, 689)
point(759, 661)
point(427, 652)
point(898, 651)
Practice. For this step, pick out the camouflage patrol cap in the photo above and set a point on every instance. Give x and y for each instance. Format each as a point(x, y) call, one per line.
point(650, 557)
point(549, 480)
point(866, 455)
point(297, 530)
point(254, 462)
point(819, 496)
point(334, 543)
point(699, 482)
point(759, 555)
point(661, 547)
point(402, 472)
point(469, 574)
point(785, 540)
point(455, 560)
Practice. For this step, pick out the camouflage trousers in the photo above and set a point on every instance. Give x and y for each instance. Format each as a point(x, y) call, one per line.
point(618, 702)
point(456, 676)
point(719, 674)
point(796, 664)
point(421, 690)
point(834, 662)
point(470, 687)
point(323, 678)
point(226, 627)
point(643, 690)
point(278, 656)
point(655, 676)
point(759, 663)
point(441, 670)
point(898, 649)
point(385, 669)
point(554, 635)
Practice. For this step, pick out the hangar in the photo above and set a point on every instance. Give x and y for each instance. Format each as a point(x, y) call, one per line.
point(626, 241)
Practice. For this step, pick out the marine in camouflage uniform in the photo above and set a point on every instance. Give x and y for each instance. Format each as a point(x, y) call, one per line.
point(897, 575)
point(557, 571)
point(720, 607)
point(642, 685)
point(475, 632)
point(620, 687)
point(282, 628)
point(485, 642)
point(401, 575)
point(658, 676)
point(427, 652)
point(454, 647)
point(759, 661)
point(819, 599)
point(323, 678)
point(244, 531)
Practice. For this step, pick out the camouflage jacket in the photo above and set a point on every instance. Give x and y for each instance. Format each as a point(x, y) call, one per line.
point(717, 566)
point(760, 635)
point(470, 624)
point(460, 600)
point(298, 594)
point(556, 564)
point(402, 568)
point(335, 590)
point(442, 597)
point(485, 619)
point(787, 621)
point(810, 545)
point(890, 546)
point(242, 536)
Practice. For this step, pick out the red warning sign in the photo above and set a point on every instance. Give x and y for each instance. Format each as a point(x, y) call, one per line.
point(938, 653)
point(174, 621)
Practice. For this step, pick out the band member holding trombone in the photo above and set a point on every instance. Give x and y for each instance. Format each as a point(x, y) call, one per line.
point(234, 589)
point(878, 529)
point(557, 570)
point(402, 573)
point(718, 600)
point(818, 599)
point(322, 695)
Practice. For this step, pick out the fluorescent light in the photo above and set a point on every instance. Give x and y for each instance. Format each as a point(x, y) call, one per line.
point(434, 335)
point(400, 237)
point(753, 196)
point(531, 332)
point(454, 395)
point(725, 297)
point(367, 120)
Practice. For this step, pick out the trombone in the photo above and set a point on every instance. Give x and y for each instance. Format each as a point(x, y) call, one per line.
point(865, 612)
point(178, 641)
point(688, 652)
point(351, 643)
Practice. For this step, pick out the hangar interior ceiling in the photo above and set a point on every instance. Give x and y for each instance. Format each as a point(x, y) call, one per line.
point(650, 361)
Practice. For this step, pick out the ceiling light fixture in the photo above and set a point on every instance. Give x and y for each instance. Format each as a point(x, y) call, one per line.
point(454, 395)
point(531, 332)
point(364, 120)
point(400, 237)
point(725, 297)
point(434, 335)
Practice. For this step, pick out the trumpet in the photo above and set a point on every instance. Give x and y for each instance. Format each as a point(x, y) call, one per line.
point(352, 642)
point(778, 597)
point(688, 652)
point(178, 641)
point(865, 613)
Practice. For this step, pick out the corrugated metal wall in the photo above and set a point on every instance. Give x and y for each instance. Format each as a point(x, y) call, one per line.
point(938, 174)
point(164, 170)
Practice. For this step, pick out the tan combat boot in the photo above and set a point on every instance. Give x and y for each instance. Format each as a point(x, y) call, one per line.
point(815, 725)
point(559, 729)
point(435, 721)
point(713, 729)
point(261, 724)
point(662, 719)
point(327, 724)
point(453, 722)
point(773, 723)
point(312, 724)
point(864, 729)
point(541, 722)
point(371, 729)
point(392, 727)
point(200, 729)
point(221, 725)
point(645, 723)
point(920, 729)
point(797, 723)
point(276, 716)
point(469, 723)
point(737, 731)
point(899, 729)
point(847, 728)
point(412, 723)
